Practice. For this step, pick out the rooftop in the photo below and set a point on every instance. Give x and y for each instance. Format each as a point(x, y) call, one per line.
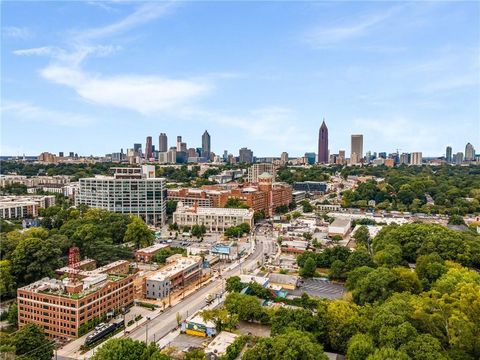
point(338, 222)
point(219, 345)
point(180, 265)
point(153, 248)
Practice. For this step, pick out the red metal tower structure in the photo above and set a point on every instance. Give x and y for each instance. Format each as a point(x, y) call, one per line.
point(73, 262)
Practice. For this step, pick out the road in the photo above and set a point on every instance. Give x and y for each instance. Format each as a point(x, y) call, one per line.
point(165, 322)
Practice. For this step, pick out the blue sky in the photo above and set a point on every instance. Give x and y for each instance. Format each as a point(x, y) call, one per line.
point(93, 77)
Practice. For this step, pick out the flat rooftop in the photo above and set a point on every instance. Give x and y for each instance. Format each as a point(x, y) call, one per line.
point(153, 248)
point(172, 269)
point(215, 211)
point(340, 223)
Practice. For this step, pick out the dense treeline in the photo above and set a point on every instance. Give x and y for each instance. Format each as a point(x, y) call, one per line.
point(27, 256)
point(430, 190)
point(396, 312)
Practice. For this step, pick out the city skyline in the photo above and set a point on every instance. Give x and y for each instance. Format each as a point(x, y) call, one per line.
point(400, 74)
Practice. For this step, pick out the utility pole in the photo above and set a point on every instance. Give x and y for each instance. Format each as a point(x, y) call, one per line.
point(146, 333)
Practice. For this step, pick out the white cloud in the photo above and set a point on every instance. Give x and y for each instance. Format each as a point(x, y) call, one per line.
point(15, 32)
point(74, 57)
point(145, 13)
point(325, 37)
point(145, 94)
point(24, 111)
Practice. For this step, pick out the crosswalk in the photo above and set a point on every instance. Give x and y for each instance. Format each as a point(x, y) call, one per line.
point(321, 288)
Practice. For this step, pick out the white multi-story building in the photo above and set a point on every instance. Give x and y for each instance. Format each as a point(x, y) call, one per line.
point(180, 272)
point(133, 191)
point(19, 207)
point(416, 158)
point(214, 219)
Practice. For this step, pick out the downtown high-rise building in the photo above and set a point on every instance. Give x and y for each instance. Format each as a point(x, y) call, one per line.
point(179, 143)
point(245, 156)
point(206, 144)
point(469, 152)
point(448, 154)
point(416, 158)
point(356, 149)
point(148, 148)
point(323, 144)
point(162, 143)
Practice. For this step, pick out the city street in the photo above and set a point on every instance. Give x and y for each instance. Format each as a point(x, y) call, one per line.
point(163, 323)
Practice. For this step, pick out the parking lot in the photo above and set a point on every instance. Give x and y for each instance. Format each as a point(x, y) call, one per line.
point(322, 288)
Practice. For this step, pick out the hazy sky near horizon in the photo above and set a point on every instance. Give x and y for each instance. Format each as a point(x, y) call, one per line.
point(93, 77)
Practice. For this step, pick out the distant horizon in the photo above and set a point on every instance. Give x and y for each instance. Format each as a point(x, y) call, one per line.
point(99, 76)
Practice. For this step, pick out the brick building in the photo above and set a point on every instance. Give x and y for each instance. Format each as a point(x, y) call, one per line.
point(61, 307)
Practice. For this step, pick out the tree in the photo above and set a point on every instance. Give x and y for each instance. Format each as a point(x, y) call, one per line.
point(456, 220)
point(171, 206)
point(234, 202)
point(33, 259)
point(195, 354)
point(376, 285)
point(138, 233)
point(429, 268)
point(390, 256)
point(309, 269)
point(12, 317)
point(221, 318)
point(342, 323)
point(362, 236)
point(7, 282)
point(387, 353)
point(424, 347)
point(360, 346)
point(295, 344)
point(233, 284)
point(128, 349)
point(306, 206)
point(338, 270)
point(247, 307)
point(199, 230)
point(31, 343)
point(284, 320)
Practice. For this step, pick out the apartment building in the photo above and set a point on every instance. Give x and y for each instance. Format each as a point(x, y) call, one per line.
point(178, 272)
point(215, 219)
point(258, 169)
point(61, 307)
point(20, 207)
point(133, 191)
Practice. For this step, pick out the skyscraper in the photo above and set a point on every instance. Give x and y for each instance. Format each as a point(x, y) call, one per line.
point(357, 149)
point(284, 158)
point(137, 148)
point(323, 144)
point(416, 158)
point(469, 152)
point(245, 156)
point(162, 143)
point(179, 143)
point(206, 144)
point(148, 148)
point(448, 154)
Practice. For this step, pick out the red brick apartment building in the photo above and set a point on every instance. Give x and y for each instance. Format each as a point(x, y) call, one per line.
point(265, 195)
point(61, 307)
